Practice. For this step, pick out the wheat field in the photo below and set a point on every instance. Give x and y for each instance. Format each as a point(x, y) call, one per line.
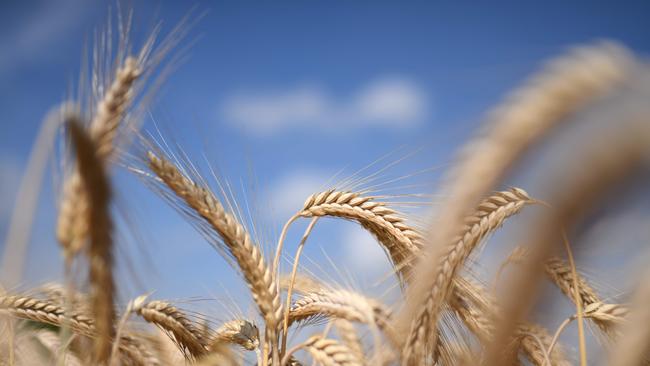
point(444, 314)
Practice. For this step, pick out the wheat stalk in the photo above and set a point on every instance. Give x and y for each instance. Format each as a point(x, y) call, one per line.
point(236, 239)
point(100, 251)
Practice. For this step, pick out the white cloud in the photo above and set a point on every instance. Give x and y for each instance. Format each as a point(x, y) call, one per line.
point(391, 101)
point(264, 113)
point(289, 193)
point(363, 253)
point(395, 102)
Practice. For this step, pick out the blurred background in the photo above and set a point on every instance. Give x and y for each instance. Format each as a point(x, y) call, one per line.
point(280, 97)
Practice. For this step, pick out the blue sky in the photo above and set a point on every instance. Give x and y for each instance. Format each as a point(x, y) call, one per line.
point(293, 91)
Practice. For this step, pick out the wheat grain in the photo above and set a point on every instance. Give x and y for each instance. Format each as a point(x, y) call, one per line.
point(172, 320)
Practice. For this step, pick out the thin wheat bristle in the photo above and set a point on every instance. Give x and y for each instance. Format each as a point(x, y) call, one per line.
point(172, 320)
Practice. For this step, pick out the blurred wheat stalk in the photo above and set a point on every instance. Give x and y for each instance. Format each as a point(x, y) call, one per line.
point(441, 299)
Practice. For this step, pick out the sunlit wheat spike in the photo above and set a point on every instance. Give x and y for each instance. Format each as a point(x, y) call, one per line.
point(236, 239)
point(383, 222)
point(41, 311)
point(73, 225)
point(329, 352)
point(172, 320)
point(342, 304)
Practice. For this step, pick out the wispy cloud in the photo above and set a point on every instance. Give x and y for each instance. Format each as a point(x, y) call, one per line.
point(390, 102)
point(46, 25)
point(362, 252)
point(288, 194)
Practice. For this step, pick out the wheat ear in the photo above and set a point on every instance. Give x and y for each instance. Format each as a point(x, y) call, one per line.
point(344, 304)
point(384, 223)
point(41, 311)
point(240, 332)
point(564, 87)
point(559, 272)
point(490, 215)
point(172, 320)
point(45, 312)
point(349, 336)
point(100, 250)
point(247, 254)
point(327, 352)
point(72, 226)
